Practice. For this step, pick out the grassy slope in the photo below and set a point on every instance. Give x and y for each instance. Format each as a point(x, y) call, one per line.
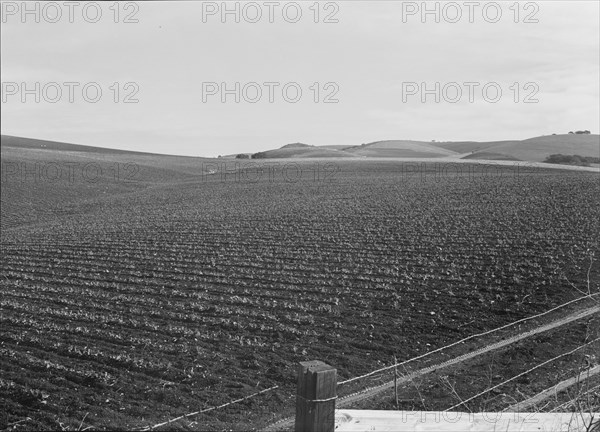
point(32, 143)
point(469, 146)
point(400, 148)
point(46, 180)
point(487, 155)
point(539, 148)
point(305, 152)
point(392, 148)
point(532, 150)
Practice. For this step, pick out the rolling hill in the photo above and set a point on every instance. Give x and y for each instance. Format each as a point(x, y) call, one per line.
point(530, 150)
point(539, 148)
point(299, 150)
point(400, 148)
point(32, 143)
point(469, 146)
point(390, 148)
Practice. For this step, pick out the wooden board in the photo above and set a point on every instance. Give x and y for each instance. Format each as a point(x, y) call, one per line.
point(437, 421)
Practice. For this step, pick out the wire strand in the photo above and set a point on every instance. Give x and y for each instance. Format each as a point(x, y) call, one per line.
point(521, 374)
point(147, 428)
point(464, 340)
point(577, 397)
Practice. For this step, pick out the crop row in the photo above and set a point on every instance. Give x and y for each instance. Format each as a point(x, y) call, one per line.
point(196, 293)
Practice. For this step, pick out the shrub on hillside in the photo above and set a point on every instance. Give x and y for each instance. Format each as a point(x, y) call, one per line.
point(571, 159)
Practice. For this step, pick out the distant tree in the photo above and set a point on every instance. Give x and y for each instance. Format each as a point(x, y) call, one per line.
point(553, 134)
point(571, 132)
point(259, 155)
point(242, 156)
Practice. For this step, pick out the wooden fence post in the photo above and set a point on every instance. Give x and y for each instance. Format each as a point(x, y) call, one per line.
point(315, 397)
point(396, 381)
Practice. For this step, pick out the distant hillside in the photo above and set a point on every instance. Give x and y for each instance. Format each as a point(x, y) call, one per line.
point(335, 146)
point(531, 150)
point(392, 148)
point(295, 145)
point(32, 143)
point(536, 149)
point(469, 146)
point(539, 148)
point(301, 151)
point(155, 167)
point(399, 148)
point(486, 155)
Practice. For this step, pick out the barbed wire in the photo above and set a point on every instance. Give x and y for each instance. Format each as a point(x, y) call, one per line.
point(386, 368)
point(553, 390)
point(289, 421)
point(521, 374)
point(573, 400)
point(148, 428)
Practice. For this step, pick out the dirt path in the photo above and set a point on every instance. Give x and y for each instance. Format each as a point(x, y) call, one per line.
point(370, 392)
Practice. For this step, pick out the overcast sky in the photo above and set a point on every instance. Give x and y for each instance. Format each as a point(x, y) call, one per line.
point(369, 57)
